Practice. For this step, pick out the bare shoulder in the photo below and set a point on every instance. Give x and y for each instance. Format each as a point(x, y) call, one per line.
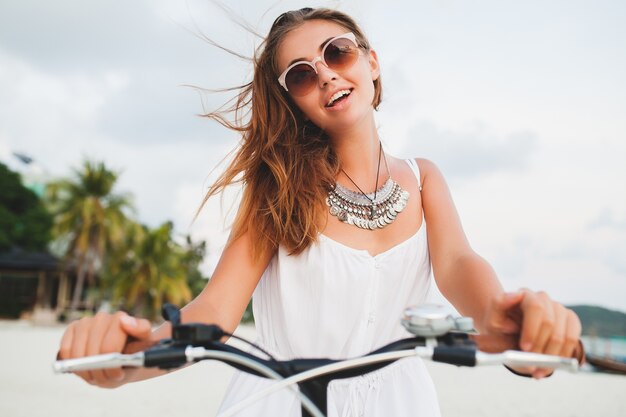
point(426, 165)
point(428, 170)
point(435, 191)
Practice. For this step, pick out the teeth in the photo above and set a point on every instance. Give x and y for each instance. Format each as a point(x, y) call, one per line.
point(337, 96)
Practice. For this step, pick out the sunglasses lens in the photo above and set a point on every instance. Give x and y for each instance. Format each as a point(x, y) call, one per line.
point(341, 54)
point(301, 79)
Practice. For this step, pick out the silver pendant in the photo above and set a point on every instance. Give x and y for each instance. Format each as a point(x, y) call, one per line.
point(363, 210)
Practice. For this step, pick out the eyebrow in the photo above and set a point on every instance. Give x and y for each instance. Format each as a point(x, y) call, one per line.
point(320, 49)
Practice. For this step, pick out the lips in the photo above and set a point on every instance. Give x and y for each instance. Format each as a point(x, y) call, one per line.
point(337, 96)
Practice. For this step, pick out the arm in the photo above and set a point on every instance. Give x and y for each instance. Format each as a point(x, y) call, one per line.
point(222, 302)
point(471, 285)
point(463, 277)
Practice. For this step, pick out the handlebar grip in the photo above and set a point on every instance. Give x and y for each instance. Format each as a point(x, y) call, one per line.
point(454, 355)
point(105, 361)
point(165, 358)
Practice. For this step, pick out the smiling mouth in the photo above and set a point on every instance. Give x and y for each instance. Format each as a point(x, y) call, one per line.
point(338, 96)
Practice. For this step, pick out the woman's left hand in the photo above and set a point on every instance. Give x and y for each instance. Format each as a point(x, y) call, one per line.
point(543, 325)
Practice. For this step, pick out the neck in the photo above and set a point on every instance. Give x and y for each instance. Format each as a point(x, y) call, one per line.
point(358, 152)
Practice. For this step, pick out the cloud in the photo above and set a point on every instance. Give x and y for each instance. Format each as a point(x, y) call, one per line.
point(606, 240)
point(586, 265)
point(607, 219)
point(67, 34)
point(42, 110)
point(576, 281)
point(69, 53)
point(57, 119)
point(473, 152)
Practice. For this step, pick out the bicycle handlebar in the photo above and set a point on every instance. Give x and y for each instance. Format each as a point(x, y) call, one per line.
point(181, 356)
point(193, 342)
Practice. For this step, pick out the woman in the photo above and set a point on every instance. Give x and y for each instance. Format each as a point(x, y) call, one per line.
point(334, 236)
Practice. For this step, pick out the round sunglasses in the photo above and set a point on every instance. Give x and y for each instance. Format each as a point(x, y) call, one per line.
point(339, 54)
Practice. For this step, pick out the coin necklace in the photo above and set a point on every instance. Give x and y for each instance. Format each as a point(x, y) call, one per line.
point(368, 211)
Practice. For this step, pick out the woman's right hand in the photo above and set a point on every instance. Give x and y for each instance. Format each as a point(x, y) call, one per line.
point(103, 333)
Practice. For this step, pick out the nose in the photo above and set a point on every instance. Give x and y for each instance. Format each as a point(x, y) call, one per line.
point(324, 74)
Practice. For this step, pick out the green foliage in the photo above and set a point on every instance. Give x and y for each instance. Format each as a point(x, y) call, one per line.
point(601, 322)
point(192, 255)
point(248, 316)
point(24, 221)
point(138, 268)
point(87, 211)
point(89, 218)
point(151, 269)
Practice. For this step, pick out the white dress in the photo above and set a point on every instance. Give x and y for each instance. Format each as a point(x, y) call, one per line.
point(337, 302)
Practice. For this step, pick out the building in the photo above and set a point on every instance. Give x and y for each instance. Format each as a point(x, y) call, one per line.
point(33, 285)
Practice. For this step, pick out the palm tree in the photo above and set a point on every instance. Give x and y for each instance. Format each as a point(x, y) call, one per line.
point(149, 271)
point(192, 256)
point(89, 219)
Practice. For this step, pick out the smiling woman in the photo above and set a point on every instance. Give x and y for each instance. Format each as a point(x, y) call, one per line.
point(330, 257)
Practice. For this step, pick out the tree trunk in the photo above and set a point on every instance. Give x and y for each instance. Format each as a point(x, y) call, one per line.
point(90, 278)
point(78, 289)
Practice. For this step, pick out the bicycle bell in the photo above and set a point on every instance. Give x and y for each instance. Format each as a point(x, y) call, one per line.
point(431, 320)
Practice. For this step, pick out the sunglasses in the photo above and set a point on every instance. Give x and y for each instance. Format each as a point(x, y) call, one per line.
point(339, 54)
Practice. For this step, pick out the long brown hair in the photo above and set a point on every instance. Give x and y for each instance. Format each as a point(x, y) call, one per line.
point(285, 163)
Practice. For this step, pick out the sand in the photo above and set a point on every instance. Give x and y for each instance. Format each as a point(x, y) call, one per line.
point(28, 388)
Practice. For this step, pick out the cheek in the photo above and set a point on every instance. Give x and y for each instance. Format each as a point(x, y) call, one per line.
point(368, 87)
point(307, 105)
point(369, 92)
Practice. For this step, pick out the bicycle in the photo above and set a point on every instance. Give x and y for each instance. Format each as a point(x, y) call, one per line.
point(438, 336)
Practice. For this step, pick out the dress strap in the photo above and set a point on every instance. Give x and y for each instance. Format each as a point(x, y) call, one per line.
point(416, 170)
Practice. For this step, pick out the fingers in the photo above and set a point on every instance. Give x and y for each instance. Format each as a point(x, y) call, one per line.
point(509, 306)
point(573, 329)
point(550, 337)
point(103, 333)
point(539, 321)
point(79, 344)
point(495, 343)
point(543, 326)
point(66, 342)
point(557, 338)
point(116, 339)
point(546, 323)
point(500, 318)
point(548, 328)
point(564, 339)
point(511, 299)
point(538, 327)
point(138, 328)
point(98, 333)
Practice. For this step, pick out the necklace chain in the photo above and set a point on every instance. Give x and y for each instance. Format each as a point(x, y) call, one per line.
point(380, 151)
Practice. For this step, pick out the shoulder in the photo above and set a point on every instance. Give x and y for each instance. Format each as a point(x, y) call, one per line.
point(426, 165)
point(428, 170)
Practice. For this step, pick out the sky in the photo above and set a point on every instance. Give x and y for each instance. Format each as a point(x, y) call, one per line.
point(520, 104)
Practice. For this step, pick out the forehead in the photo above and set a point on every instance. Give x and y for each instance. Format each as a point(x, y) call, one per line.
point(305, 40)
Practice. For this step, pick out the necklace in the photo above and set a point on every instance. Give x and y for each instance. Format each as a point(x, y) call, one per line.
point(368, 210)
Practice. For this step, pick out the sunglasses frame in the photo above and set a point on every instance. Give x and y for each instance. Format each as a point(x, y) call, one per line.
point(350, 36)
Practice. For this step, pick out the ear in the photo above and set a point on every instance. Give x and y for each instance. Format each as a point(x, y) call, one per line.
point(374, 67)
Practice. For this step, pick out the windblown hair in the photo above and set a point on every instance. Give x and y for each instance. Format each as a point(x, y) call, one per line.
point(285, 163)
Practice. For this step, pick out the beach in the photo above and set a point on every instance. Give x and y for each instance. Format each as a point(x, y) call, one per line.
point(28, 388)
